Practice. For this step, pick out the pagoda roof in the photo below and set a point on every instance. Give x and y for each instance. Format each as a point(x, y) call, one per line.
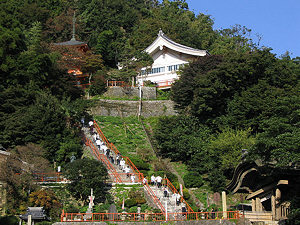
point(72, 42)
point(164, 41)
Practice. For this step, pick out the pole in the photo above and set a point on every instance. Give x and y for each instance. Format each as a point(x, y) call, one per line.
point(140, 105)
point(166, 206)
point(224, 204)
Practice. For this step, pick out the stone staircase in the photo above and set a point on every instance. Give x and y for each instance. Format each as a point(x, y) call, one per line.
point(168, 202)
point(124, 177)
point(155, 194)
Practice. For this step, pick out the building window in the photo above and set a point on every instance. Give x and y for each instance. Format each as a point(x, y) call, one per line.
point(154, 70)
point(175, 67)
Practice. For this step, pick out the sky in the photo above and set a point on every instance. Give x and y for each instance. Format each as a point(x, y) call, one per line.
point(276, 21)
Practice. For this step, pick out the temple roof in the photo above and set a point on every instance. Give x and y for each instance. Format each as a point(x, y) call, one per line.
point(163, 40)
point(37, 213)
point(73, 42)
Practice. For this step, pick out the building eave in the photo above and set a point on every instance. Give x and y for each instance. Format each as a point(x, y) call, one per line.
point(163, 41)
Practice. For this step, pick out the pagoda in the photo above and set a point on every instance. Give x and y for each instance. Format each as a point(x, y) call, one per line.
point(73, 52)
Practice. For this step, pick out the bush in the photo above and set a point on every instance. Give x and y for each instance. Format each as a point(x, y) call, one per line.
point(172, 177)
point(193, 179)
point(133, 209)
point(9, 220)
point(72, 209)
point(102, 208)
point(140, 164)
point(98, 87)
point(186, 194)
point(130, 203)
point(44, 223)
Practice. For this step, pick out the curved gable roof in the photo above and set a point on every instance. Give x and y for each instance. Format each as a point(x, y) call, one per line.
point(164, 40)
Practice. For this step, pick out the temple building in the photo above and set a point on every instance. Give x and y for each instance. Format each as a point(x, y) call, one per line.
point(269, 189)
point(73, 52)
point(168, 57)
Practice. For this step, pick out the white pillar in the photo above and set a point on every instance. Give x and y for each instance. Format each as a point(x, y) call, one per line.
point(224, 204)
point(29, 220)
point(166, 208)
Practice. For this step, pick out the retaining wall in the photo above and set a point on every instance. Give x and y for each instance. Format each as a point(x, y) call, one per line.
point(130, 108)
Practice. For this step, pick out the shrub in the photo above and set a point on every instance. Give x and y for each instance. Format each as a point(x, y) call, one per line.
point(102, 208)
point(72, 209)
point(140, 164)
point(172, 177)
point(9, 220)
point(44, 223)
point(193, 179)
point(186, 194)
point(130, 203)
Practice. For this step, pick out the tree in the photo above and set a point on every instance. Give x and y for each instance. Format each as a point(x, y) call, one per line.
point(18, 173)
point(180, 137)
point(215, 88)
point(48, 200)
point(84, 175)
point(279, 141)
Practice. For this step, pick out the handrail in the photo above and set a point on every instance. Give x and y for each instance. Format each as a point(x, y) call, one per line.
point(178, 216)
point(154, 197)
point(103, 158)
point(100, 133)
point(47, 177)
point(133, 167)
point(174, 190)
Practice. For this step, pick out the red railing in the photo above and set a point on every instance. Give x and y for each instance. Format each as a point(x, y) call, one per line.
point(165, 83)
point(133, 167)
point(174, 190)
point(144, 217)
point(48, 177)
point(154, 197)
point(103, 158)
point(113, 83)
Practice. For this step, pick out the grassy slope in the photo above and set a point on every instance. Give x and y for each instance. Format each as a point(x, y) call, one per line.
point(128, 136)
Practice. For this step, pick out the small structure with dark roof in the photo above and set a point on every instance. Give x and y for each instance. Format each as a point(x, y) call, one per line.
point(37, 214)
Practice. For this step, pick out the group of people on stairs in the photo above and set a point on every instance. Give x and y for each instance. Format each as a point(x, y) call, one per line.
point(115, 159)
point(118, 160)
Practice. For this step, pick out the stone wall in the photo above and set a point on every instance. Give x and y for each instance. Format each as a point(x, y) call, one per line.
point(130, 108)
point(131, 92)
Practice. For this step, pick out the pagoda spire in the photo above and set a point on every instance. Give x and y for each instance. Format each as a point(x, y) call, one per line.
point(73, 33)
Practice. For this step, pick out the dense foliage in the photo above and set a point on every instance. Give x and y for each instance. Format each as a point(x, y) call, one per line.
point(239, 97)
point(246, 100)
point(86, 174)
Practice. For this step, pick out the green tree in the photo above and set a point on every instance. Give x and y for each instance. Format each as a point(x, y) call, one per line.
point(86, 174)
point(180, 137)
point(48, 200)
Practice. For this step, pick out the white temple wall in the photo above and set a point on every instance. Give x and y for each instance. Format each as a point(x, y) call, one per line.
point(165, 58)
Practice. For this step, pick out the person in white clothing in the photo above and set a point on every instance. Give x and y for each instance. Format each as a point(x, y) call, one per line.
point(104, 148)
point(145, 180)
point(98, 143)
point(158, 181)
point(91, 125)
point(127, 170)
point(122, 164)
point(178, 199)
point(153, 180)
point(95, 137)
point(132, 177)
